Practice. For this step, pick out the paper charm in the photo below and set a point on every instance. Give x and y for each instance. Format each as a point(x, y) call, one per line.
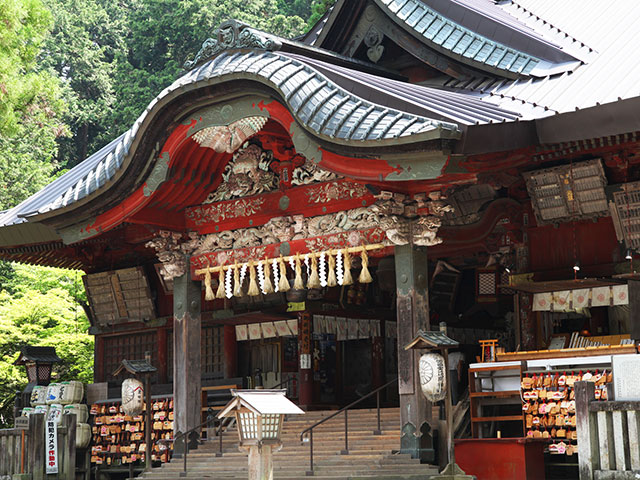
point(620, 294)
point(282, 328)
point(241, 332)
point(293, 325)
point(600, 296)
point(268, 330)
point(255, 332)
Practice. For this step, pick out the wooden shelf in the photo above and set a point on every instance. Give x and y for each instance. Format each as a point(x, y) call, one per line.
point(503, 418)
point(505, 393)
point(567, 353)
point(500, 401)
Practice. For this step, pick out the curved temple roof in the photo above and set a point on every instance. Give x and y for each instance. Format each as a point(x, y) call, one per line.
point(321, 105)
point(461, 30)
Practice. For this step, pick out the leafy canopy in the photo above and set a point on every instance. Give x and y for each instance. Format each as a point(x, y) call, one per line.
point(39, 306)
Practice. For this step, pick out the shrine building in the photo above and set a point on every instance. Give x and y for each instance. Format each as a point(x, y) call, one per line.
point(290, 212)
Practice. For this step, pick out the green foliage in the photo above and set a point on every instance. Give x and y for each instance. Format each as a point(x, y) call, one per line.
point(81, 50)
point(319, 8)
point(39, 307)
point(30, 103)
point(157, 50)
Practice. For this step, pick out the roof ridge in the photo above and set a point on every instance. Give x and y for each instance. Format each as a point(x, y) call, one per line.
point(544, 21)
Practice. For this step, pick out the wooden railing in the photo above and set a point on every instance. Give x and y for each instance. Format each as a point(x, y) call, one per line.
point(31, 460)
point(608, 436)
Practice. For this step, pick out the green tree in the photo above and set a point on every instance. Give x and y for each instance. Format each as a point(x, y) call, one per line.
point(82, 51)
point(30, 102)
point(40, 307)
point(156, 50)
point(319, 8)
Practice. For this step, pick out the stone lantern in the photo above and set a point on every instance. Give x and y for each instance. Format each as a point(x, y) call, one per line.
point(259, 415)
point(38, 362)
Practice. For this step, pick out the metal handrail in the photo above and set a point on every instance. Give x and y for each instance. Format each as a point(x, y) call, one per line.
point(188, 432)
point(286, 381)
point(346, 424)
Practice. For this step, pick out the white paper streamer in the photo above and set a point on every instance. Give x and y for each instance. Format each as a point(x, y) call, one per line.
point(339, 268)
point(228, 287)
point(243, 272)
point(323, 270)
point(276, 276)
point(261, 277)
point(307, 264)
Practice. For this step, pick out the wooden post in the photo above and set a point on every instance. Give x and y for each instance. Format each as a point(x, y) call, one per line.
point(377, 362)
point(22, 451)
point(230, 351)
point(67, 448)
point(36, 445)
point(187, 382)
point(412, 315)
point(98, 359)
point(588, 458)
point(305, 387)
point(162, 355)
point(147, 422)
point(634, 308)
point(448, 409)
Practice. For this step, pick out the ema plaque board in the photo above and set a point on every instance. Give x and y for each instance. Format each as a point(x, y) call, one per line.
point(626, 369)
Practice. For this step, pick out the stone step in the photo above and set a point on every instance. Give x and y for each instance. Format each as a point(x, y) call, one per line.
point(370, 456)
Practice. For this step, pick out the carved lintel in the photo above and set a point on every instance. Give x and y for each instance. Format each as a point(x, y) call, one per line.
point(409, 220)
point(233, 35)
point(171, 249)
point(290, 228)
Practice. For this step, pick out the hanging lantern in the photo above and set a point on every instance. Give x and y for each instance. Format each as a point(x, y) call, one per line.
point(433, 376)
point(132, 397)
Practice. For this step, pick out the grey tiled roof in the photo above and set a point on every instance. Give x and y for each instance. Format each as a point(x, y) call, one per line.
point(512, 55)
point(320, 104)
point(606, 35)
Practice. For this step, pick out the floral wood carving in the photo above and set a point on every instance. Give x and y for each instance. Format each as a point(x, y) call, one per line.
point(288, 228)
point(233, 35)
point(244, 207)
point(171, 250)
point(335, 191)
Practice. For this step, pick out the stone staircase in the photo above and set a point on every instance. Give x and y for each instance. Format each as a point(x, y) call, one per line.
point(370, 456)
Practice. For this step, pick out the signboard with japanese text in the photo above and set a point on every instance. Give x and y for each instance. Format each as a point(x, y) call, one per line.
point(51, 453)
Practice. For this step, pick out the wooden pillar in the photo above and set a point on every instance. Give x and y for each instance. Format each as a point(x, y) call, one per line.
point(377, 362)
point(187, 382)
point(98, 359)
point(305, 388)
point(412, 315)
point(230, 351)
point(588, 457)
point(634, 309)
point(162, 355)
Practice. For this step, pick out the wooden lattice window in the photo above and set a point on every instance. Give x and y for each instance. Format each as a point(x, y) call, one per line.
point(212, 348)
point(130, 347)
point(211, 351)
point(626, 214)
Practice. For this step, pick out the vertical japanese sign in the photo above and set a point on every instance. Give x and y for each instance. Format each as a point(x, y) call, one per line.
point(52, 446)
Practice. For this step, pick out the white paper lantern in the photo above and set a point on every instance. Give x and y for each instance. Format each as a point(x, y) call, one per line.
point(433, 376)
point(132, 397)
